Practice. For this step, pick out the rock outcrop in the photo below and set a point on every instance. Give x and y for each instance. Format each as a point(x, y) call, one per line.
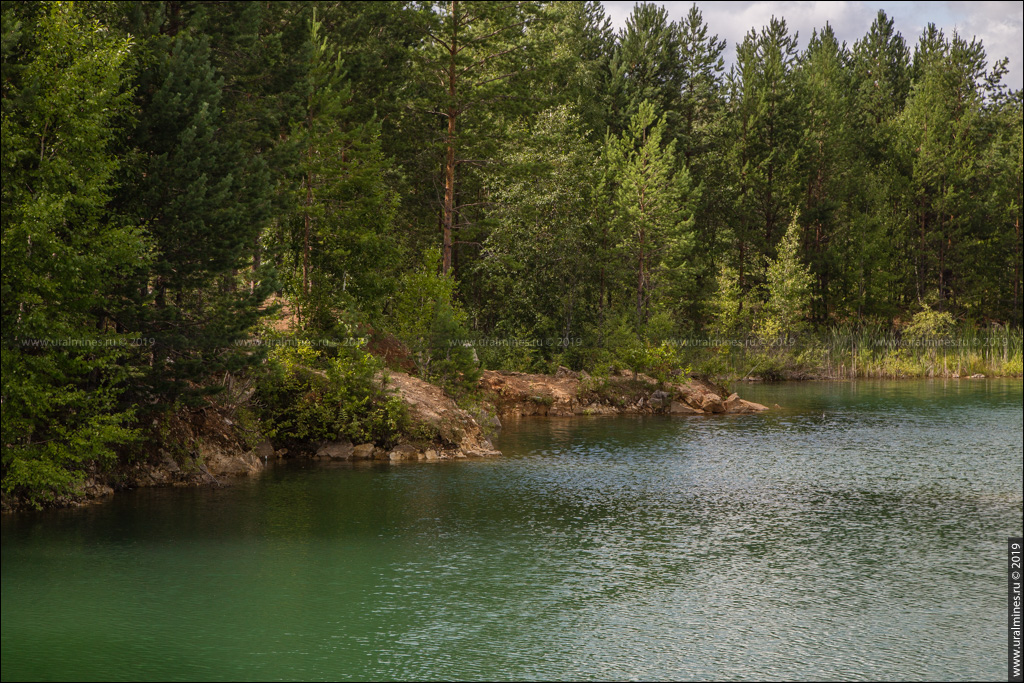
point(517, 394)
point(442, 429)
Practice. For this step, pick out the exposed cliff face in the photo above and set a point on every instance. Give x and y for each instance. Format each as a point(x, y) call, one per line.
point(516, 394)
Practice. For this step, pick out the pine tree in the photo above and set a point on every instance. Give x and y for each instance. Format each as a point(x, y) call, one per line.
point(576, 41)
point(826, 162)
point(702, 136)
point(650, 206)
point(764, 116)
point(701, 101)
point(880, 64)
point(942, 134)
point(789, 289)
point(646, 66)
point(471, 57)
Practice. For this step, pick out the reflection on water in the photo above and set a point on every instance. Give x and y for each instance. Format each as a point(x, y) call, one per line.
point(859, 533)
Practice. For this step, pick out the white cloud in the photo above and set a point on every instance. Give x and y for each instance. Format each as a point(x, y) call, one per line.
point(999, 25)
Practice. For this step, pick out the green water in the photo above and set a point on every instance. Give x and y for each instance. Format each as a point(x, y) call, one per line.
point(857, 534)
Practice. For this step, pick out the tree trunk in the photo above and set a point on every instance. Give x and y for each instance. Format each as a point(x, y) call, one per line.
point(449, 169)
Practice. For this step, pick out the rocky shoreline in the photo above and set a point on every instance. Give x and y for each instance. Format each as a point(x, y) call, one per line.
point(441, 429)
point(567, 393)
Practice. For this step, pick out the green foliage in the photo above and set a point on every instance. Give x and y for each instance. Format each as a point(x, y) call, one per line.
point(650, 206)
point(646, 67)
point(306, 395)
point(64, 366)
point(596, 195)
point(539, 265)
point(340, 230)
point(789, 290)
point(428, 320)
point(764, 122)
point(195, 193)
point(732, 310)
point(928, 323)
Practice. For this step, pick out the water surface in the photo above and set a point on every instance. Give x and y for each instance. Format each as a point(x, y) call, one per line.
point(858, 533)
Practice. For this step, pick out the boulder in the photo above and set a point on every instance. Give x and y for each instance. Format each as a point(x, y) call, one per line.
point(437, 413)
point(738, 406)
point(680, 408)
point(95, 489)
point(363, 451)
point(712, 404)
point(564, 372)
point(336, 450)
point(220, 463)
point(404, 451)
point(168, 464)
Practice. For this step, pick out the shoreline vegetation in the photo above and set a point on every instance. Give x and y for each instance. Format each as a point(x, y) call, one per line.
point(845, 354)
point(228, 226)
point(296, 411)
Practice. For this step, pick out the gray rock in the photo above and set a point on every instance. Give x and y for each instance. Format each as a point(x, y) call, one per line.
point(363, 451)
point(336, 450)
point(660, 399)
point(564, 372)
point(404, 451)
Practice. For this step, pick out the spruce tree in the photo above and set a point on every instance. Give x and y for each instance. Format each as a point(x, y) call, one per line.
point(186, 182)
point(343, 214)
point(64, 360)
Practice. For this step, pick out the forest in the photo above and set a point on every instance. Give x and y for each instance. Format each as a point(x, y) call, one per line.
point(294, 196)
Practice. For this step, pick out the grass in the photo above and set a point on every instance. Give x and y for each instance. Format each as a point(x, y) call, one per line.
point(873, 352)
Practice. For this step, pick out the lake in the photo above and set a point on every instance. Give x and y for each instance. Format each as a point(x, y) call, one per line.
point(859, 533)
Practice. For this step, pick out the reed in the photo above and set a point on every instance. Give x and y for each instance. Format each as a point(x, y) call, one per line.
point(873, 351)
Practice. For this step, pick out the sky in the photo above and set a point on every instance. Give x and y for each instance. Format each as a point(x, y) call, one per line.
point(999, 25)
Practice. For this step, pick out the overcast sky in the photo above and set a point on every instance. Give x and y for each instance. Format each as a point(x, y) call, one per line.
point(997, 24)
